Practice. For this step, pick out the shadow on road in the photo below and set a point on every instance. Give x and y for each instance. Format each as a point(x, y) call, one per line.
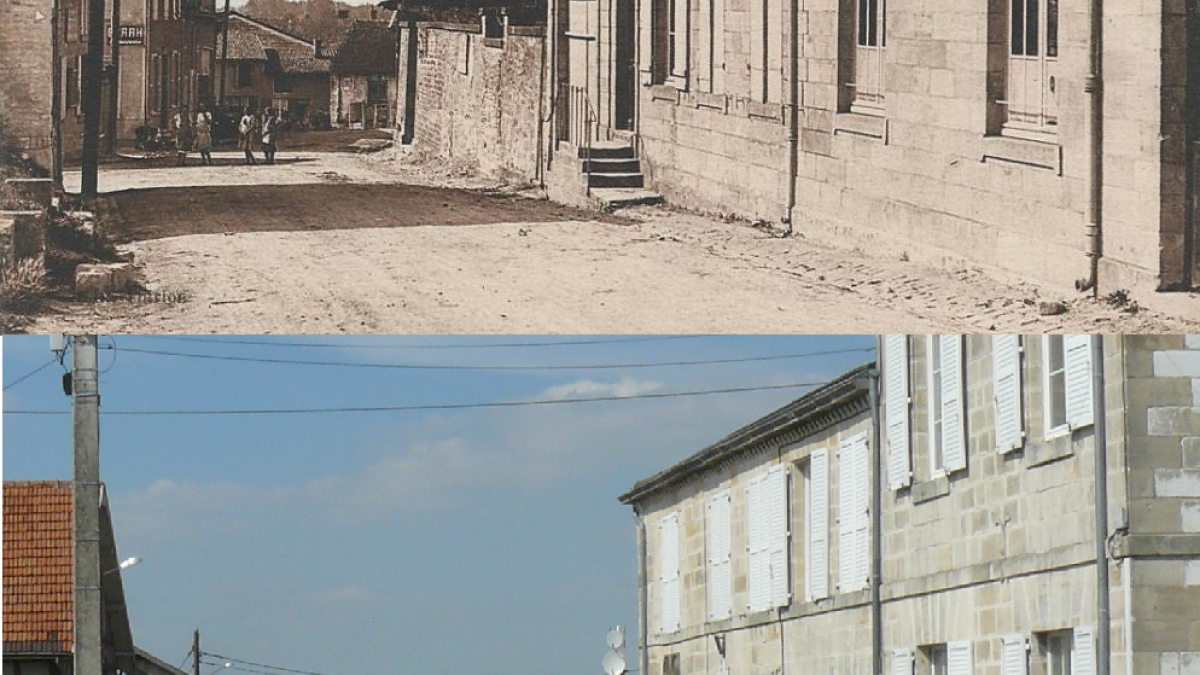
point(168, 212)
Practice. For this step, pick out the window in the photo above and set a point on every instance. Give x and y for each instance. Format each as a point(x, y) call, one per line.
point(766, 498)
point(816, 508)
point(670, 664)
point(947, 394)
point(937, 660)
point(1058, 653)
point(677, 40)
point(668, 571)
point(282, 84)
point(766, 50)
point(244, 74)
point(1013, 657)
point(896, 402)
point(1032, 65)
point(464, 55)
point(1065, 652)
point(377, 88)
point(719, 577)
point(71, 82)
point(853, 521)
point(1006, 392)
point(870, 39)
point(1067, 383)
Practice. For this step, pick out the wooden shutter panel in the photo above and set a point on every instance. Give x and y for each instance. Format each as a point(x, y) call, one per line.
point(852, 515)
point(1083, 651)
point(954, 441)
point(818, 525)
point(1012, 655)
point(777, 536)
point(895, 392)
point(669, 572)
point(902, 662)
point(862, 546)
point(959, 658)
point(1006, 387)
point(760, 560)
point(720, 603)
point(1078, 363)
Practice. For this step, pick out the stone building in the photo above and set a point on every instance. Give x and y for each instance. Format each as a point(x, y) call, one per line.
point(943, 517)
point(363, 76)
point(268, 67)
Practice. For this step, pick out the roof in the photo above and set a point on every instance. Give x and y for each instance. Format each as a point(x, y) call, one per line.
point(828, 404)
point(253, 40)
point(370, 48)
point(38, 567)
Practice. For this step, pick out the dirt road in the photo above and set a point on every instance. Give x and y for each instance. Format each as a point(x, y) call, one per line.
point(338, 243)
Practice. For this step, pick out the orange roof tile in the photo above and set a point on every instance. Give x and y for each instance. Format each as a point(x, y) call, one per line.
point(38, 567)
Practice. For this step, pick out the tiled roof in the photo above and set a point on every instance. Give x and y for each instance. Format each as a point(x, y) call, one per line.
point(251, 39)
point(369, 48)
point(38, 567)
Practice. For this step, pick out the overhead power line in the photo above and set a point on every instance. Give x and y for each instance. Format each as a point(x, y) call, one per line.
point(260, 665)
point(446, 406)
point(413, 366)
point(493, 345)
point(30, 374)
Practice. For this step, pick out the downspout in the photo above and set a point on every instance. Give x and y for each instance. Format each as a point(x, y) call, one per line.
point(539, 170)
point(1191, 123)
point(643, 628)
point(56, 172)
point(1100, 439)
point(876, 526)
point(1094, 88)
point(551, 116)
point(793, 115)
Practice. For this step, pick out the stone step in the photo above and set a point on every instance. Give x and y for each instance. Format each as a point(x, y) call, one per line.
point(603, 165)
point(607, 150)
point(615, 180)
point(616, 198)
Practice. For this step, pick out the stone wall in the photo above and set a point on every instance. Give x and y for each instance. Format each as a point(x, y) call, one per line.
point(25, 70)
point(479, 100)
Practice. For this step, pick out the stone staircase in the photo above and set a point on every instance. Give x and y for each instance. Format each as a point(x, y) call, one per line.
point(614, 175)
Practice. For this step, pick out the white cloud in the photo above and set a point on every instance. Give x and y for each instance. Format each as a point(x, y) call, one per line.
point(344, 596)
point(624, 388)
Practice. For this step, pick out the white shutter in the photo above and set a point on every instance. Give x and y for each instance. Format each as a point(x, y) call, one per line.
point(777, 535)
point(669, 572)
point(895, 392)
point(853, 523)
point(1083, 651)
point(818, 525)
point(760, 558)
point(902, 662)
point(959, 658)
point(1078, 363)
point(954, 441)
point(1006, 388)
point(720, 604)
point(1012, 655)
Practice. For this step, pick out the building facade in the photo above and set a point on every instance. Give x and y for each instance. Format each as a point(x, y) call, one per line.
point(168, 60)
point(363, 77)
point(946, 517)
point(268, 67)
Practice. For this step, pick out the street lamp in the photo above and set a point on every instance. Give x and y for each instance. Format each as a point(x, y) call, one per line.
point(125, 564)
point(227, 665)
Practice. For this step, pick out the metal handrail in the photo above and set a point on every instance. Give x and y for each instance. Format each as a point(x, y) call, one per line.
point(582, 123)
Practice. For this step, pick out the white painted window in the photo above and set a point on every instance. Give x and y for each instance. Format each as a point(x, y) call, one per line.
point(767, 501)
point(870, 39)
point(816, 490)
point(896, 402)
point(677, 38)
point(1032, 65)
point(947, 393)
point(1006, 392)
point(1067, 383)
point(1014, 658)
point(937, 660)
point(1083, 651)
point(720, 602)
point(668, 570)
point(902, 662)
point(853, 520)
point(960, 658)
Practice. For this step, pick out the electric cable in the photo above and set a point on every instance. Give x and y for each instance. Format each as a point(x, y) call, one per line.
point(28, 375)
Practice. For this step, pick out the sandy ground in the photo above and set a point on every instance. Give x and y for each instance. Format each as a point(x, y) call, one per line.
point(373, 262)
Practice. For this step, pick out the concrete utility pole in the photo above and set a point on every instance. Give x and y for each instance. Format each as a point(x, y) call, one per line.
point(85, 394)
point(196, 652)
point(93, 75)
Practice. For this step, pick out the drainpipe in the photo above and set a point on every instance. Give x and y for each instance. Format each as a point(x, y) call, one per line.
point(876, 526)
point(1094, 88)
point(1191, 124)
point(1100, 439)
point(643, 628)
point(793, 115)
point(539, 170)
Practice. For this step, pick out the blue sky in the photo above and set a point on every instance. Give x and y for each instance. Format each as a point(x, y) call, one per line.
point(481, 540)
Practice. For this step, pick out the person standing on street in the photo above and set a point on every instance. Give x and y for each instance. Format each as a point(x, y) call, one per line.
point(183, 135)
point(248, 135)
point(204, 135)
point(269, 130)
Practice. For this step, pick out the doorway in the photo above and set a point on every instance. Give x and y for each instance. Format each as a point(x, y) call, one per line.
point(624, 56)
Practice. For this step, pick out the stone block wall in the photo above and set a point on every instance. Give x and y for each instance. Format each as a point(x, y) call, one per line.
point(26, 71)
point(478, 99)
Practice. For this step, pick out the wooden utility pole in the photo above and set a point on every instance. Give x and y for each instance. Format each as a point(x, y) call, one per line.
point(93, 76)
point(224, 51)
point(196, 652)
point(114, 93)
point(85, 414)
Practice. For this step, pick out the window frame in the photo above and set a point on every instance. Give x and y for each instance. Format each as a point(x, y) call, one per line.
point(934, 398)
point(1049, 395)
point(1044, 55)
point(866, 43)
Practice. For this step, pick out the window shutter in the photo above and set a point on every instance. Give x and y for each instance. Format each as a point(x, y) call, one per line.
point(720, 604)
point(895, 385)
point(760, 559)
point(669, 572)
point(777, 536)
point(954, 442)
point(902, 662)
point(818, 525)
point(1083, 651)
point(852, 515)
point(1006, 386)
point(959, 658)
point(1012, 655)
point(1078, 363)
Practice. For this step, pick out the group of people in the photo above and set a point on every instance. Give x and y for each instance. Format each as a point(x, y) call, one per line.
point(194, 133)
